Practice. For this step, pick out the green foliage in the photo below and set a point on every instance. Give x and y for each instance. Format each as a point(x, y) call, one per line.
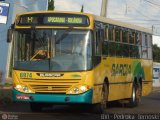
point(7, 85)
point(156, 53)
point(51, 5)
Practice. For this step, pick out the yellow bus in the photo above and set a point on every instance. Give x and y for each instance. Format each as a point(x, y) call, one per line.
point(79, 58)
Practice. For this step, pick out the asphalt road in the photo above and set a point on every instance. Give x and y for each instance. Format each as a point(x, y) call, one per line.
point(21, 111)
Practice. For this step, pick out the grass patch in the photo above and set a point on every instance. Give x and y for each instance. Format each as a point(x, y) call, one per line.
point(7, 85)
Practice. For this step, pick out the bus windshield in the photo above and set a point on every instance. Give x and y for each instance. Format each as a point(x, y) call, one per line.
point(52, 50)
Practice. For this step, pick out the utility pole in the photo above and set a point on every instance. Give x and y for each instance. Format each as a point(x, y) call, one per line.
point(153, 28)
point(82, 9)
point(104, 8)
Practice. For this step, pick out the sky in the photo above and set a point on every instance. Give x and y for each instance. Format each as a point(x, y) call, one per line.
point(145, 13)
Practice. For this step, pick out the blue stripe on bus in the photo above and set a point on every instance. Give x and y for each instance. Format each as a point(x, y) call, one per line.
point(56, 98)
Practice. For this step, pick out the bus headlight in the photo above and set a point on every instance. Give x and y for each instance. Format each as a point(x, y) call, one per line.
point(18, 87)
point(23, 88)
point(78, 89)
point(83, 88)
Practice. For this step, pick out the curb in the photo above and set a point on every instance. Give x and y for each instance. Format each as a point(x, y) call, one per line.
point(5, 88)
point(156, 89)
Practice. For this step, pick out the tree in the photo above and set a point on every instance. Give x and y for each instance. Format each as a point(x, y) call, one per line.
point(82, 9)
point(51, 5)
point(156, 53)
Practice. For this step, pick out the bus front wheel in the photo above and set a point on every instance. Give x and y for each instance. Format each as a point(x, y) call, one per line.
point(101, 107)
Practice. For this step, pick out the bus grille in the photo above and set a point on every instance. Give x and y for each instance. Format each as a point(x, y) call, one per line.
point(51, 86)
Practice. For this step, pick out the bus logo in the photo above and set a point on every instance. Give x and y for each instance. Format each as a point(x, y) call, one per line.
point(49, 88)
point(121, 69)
point(50, 74)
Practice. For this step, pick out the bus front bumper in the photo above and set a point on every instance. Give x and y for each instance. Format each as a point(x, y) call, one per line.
point(85, 98)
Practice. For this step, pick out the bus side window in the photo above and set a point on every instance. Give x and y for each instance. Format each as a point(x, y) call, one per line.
point(124, 35)
point(106, 32)
point(119, 49)
point(97, 47)
point(138, 38)
point(144, 40)
point(144, 46)
point(110, 33)
point(112, 49)
point(105, 48)
point(149, 40)
point(132, 37)
point(105, 41)
point(125, 49)
point(140, 44)
point(117, 34)
point(98, 43)
point(150, 47)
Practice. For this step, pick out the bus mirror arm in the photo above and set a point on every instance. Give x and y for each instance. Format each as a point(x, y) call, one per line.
point(10, 35)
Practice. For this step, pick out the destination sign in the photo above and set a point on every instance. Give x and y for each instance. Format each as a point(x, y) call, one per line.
point(54, 19)
point(65, 20)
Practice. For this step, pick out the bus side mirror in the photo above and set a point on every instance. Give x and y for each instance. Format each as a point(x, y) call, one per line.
point(10, 35)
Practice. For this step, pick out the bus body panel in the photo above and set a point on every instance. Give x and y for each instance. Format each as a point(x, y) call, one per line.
point(120, 72)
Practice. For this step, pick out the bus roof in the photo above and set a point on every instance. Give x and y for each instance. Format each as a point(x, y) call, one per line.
point(122, 24)
point(98, 18)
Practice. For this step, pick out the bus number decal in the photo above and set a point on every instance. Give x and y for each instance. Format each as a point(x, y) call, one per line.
point(121, 69)
point(25, 75)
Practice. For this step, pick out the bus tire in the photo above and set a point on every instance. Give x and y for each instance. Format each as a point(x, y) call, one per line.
point(36, 107)
point(136, 95)
point(101, 107)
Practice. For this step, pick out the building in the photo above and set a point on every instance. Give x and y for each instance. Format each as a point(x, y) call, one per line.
point(156, 74)
point(15, 6)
